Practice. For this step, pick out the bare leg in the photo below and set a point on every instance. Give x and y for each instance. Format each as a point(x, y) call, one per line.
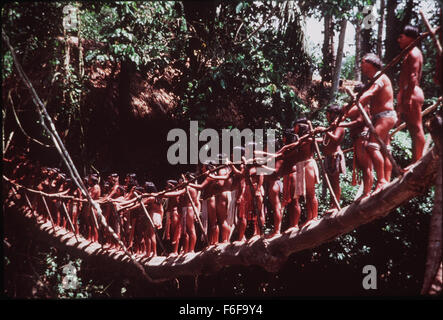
point(335, 184)
point(311, 199)
point(222, 215)
point(190, 229)
point(274, 190)
point(152, 240)
point(212, 220)
point(241, 222)
point(176, 229)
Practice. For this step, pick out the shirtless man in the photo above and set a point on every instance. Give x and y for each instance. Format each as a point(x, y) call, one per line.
point(222, 201)
point(188, 202)
point(334, 158)
point(410, 96)
point(233, 188)
point(172, 218)
point(298, 153)
point(155, 210)
point(183, 217)
point(290, 201)
point(108, 207)
point(359, 134)
point(95, 193)
point(307, 170)
point(239, 186)
point(74, 207)
point(255, 194)
point(209, 188)
point(380, 98)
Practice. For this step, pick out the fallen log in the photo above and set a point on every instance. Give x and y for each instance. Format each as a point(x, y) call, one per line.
point(267, 253)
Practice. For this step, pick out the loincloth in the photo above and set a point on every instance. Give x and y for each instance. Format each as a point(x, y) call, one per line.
point(183, 219)
point(385, 114)
point(232, 198)
point(204, 215)
point(300, 178)
point(335, 163)
point(157, 219)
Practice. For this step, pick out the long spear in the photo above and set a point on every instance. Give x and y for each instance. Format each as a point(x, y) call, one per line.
point(324, 174)
point(152, 224)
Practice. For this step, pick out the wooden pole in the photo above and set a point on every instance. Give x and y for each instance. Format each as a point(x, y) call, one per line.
point(197, 214)
point(8, 142)
point(49, 213)
point(69, 219)
point(424, 113)
point(152, 224)
point(28, 202)
point(432, 32)
point(368, 122)
point(324, 174)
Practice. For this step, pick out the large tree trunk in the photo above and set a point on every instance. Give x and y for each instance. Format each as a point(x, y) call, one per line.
point(392, 32)
point(339, 58)
point(357, 70)
point(432, 283)
point(327, 49)
point(393, 28)
point(380, 29)
point(267, 253)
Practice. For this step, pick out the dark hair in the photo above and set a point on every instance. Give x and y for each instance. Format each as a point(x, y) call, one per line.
point(71, 184)
point(171, 181)
point(150, 187)
point(132, 180)
point(303, 126)
point(301, 120)
point(359, 87)
point(333, 108)
point(189, 175)
point(94, 178)
point(290, 136)
point(373, 59)
point(411, 32)
point(210, 166)
point(139, 189)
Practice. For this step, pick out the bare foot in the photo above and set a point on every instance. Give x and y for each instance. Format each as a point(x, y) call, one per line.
point(272, 235)
point(331, 211)
point(241, 241)
point(363, 196)
point(379, 187)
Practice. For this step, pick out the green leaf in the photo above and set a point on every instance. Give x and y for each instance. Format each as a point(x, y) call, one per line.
point(238, 8)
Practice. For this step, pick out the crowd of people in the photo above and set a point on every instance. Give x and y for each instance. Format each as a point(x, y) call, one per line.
point(224, 200)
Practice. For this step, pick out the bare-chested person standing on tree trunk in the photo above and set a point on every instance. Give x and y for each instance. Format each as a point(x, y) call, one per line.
point(380, 97)
point(410, 96)
point(334, 158)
